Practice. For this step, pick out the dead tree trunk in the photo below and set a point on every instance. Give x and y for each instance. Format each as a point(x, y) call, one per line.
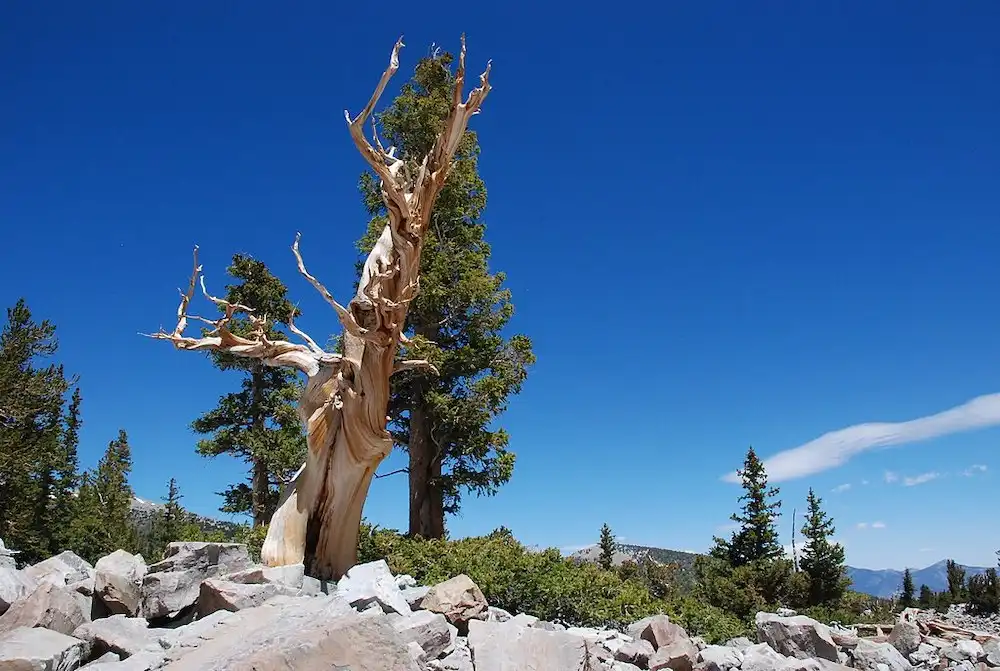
point(343, 406)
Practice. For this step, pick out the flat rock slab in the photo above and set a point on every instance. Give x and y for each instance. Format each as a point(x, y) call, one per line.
point(62, 569)
point(504, 646)
point(372, 582)
point(796, 636)
point(123, 636)
point(173, 584)
point(38, 649)
point(50, 606)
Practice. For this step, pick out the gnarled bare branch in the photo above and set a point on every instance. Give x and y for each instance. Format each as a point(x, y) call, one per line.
point(414, 364)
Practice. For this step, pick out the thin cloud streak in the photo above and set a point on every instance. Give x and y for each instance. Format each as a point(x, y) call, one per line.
point(920, 479)
point(838, 447)
point(842, 488)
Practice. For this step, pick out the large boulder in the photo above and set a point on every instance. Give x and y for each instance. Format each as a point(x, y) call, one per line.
point(172, 585)
point(958, 651)
point(504, 646)
point(431, 631)
point(118, 582)
point(460, 600)
point(905, 637)
point(658, 630)
point(118, 634)
point(459, 659)
point(797, 636)
point(289, 575)
point(992, 651)
point(762, 657)
point(37, 649)
point(635, 652)
point(680, 655)
point(218, 594)
point(372, 582)
point(871, 656)
point(14, 585)
point(50, 606)
point(61, 569)
point(723, 656)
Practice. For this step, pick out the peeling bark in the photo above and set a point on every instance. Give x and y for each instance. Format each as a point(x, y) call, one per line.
point(344, 403)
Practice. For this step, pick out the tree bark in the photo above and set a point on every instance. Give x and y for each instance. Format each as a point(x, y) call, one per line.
point(421, 451)
point(346, 396)
point(259, 481)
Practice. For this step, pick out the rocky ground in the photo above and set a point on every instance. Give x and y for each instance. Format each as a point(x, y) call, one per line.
point(208, 606)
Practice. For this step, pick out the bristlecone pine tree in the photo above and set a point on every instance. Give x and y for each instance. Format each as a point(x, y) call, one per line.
point(446, 422)
point(346, 397)
point(102, 524)
point(956, 580)
point(608, 547)
point(906, 598)
point(257, 424)
point(822, 561)
point(756, 538)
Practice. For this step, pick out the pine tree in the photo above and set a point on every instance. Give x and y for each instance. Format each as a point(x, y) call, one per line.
point(67, 476)
point(956, 580)
point(926, 599)
point(102, 524)
point(457, 321)
point(823, 562)
point(608, 548)
point(259, 423)
point(756, 539)
point(31, 410)
point(906, 598)
point(170, 524)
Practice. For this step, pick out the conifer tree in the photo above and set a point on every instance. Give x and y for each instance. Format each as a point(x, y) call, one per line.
point(756, 538)
point(102, 524)
point(906, 597)
point(608, 548)
point(926, 599)
point(446, 421)
point(258, 423)
point(956, 580)
point(822, 561)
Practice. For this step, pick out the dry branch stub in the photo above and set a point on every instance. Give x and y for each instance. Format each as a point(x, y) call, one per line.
point(344, 403)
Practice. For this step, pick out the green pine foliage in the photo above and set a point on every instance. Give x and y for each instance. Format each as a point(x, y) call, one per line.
point(823, 562)
point(458, 321)
point(956, 580)
point(258, 423)
point(608, 546)
point(906, 595)
point(927, 598)
point(756, 537)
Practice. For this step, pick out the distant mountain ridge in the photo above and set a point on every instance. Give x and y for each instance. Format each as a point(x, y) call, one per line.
point(882, 583)
point(143, 511)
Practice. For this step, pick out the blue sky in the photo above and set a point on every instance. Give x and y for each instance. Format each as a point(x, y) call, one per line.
point(723, 224)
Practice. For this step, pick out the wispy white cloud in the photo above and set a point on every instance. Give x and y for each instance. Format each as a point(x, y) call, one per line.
point(974, 469)
point(842, 488)
point(921, 479)
point(838, 447)
point(870, 525)
point(891, 477)
point(878, 525)
point(864, 482)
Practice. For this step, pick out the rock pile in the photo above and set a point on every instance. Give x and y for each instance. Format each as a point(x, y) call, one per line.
point(208, 606)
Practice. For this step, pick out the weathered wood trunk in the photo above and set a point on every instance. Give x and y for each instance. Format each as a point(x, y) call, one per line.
point(344, 403)
point(426, 505)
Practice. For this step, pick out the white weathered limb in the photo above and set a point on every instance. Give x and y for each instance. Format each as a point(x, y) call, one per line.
point(344, 403)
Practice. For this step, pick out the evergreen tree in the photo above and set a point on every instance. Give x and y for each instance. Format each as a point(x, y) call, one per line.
point(31, 412)
point(926, 599)
point(67, 478)
point(259, 423)
point(608, 547)
point(906, 598)
point(984, 593)
point(756, 539)
point(169, 525)
point(446, 422)
point(956, 580)
point(822, 561)
point(102, 524)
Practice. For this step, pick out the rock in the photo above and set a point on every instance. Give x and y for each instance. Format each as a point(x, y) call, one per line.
point(635, 652)
point(680, 655)
point(267, 638)
point(146, 660)
point(50, 606)
point(706, 666)
point(725, 657)
point(459, 600)
point(498, 615)
point(658, 630)
point(290, 575)
point(524, 620)
point(459, 659)
point(956, 652)
point(786, 612)
point(844, 638)
point(414, 595)
point(118, 582)
point(121, 635)
point(7, 558)
point(547, 626)
point(405, 581)
point(905, 636)
point(37, 649)
point(925, 655)
point(106, 658)
point(740, 643)
point(869, 656)
point(216, 594)
point(430, 631)
point(992, 650)
point(372, 582)
point(797, 636)
point(762, 657)
point(14, 585)
point(173, 584)
point(503, 647)
point(62, 569)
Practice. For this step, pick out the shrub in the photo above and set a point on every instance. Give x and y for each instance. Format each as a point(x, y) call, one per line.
point(984, 593)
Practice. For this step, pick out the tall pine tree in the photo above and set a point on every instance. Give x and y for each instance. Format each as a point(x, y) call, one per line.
point(906, 596)
point(457, 321)
point(102, 523)
point(607, 546)
point(822, 561)
point(258, 423)
point(956, 580)
point(756, 538)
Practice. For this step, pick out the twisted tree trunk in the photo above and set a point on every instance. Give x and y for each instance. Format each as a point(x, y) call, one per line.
point(344, 403)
